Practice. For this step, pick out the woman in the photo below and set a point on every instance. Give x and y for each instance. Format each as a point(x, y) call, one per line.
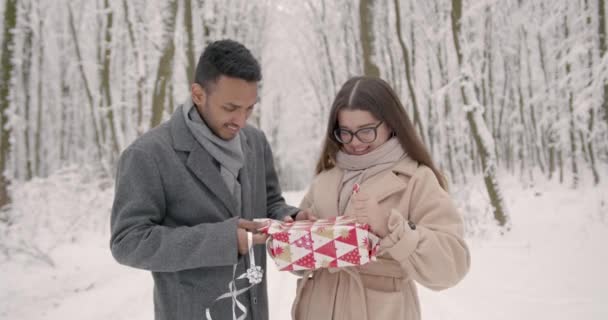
point(371, 142)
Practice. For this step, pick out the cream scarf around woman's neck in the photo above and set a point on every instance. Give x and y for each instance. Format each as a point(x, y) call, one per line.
point(358, 168)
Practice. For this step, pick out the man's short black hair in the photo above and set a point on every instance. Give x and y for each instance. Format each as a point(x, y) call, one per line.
point(228, 58)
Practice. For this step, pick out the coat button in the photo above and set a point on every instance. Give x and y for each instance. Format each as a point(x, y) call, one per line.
point(255, 300)
point(412, 225)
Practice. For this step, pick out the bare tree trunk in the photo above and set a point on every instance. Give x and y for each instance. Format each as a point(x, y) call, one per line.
point(165, 67)
point(489, 62)
point(524, 142)
point(483, 138)
point(206, 26)
point(408, 72)
point(27, 71)
point(347, 30)
point(65, 94)
point(105, 89)
point(560, 161)
point(38, 138)
point(413, 46)
point(366, 16)
point(326, 48)
point(591, 122)
point(190, 56)
point(431, 114)
point(603, 49)
point(448, 146)
point(328, 82)
point(550, 140)
point(140, 75)
point(10, 21)
point(571, 110)
point(590, 56)
point(500, 134)
point(85, 82)
point(534, 124)
point(449, 127)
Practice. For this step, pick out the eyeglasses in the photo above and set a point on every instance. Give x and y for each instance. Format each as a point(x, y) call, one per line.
point(365, 135)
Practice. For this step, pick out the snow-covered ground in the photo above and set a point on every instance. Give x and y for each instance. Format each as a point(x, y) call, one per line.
point(553, 264)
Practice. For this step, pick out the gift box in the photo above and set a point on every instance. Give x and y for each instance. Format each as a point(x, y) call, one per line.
point(325, 243)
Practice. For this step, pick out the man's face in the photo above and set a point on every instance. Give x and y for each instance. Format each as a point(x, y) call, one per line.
point(226, 105)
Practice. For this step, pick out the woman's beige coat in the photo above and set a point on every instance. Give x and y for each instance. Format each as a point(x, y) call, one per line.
point(433, 255)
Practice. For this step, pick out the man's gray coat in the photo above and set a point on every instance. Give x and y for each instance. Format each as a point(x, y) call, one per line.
point(173, 215)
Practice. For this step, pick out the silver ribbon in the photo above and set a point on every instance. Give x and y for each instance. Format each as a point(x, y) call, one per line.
point(254, 275)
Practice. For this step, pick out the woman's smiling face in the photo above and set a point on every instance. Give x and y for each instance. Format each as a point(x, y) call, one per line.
point(368, 128)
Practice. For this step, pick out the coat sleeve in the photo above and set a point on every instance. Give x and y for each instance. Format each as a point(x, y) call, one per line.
point(434, 254)
point(139, 240)
point(275, 203)
point(307, 201)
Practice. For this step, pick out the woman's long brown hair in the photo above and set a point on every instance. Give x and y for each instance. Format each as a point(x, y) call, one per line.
point(377, 97)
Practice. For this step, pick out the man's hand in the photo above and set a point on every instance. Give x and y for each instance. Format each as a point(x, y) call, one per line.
point(305, 214)
point(367, 210)
point(245, 226)
point(249, 225)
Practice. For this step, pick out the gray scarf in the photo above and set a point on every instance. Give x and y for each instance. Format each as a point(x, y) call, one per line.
point(229, 154)
point(357, 169)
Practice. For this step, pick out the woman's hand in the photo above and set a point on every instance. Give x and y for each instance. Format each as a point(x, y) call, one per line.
point(367, 210)
point(305, 214)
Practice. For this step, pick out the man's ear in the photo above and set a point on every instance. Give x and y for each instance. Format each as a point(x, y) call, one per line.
point(199, 95)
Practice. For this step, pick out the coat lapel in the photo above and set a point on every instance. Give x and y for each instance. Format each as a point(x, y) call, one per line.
point(245, 180)
point(382, 185)
point(326, 203)
point(199, 161)
point(201, 164)
point(386, 183)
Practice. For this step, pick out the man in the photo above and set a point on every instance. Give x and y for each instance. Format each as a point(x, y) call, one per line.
point(188, 190)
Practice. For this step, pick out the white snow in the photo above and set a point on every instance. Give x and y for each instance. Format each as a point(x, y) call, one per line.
point(551, 265)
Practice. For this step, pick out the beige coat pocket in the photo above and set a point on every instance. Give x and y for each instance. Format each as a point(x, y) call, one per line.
point(384, 305)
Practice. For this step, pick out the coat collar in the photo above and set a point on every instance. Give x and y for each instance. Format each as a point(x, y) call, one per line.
point(183, 140)
point(201, 164)
point(379, 186)
point(245, 177)
point(387, 183)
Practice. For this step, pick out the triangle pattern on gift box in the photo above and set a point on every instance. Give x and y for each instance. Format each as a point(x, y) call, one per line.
point(281, 263)
point(342, 263)
point(281, 236)
point(364, 243)
point(304, 242)
point(362, 239)
point(343, 248)
point(287, 268)
point(329, 249)
point(298, 253)
point(351, 257)
point(281, 252)
point(324, 231)
point(275, 250)
point(324, 261)
point(319, 241)
point(307, 261)
point(348, 236)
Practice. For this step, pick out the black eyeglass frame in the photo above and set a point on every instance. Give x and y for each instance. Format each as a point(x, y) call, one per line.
point(354, 134)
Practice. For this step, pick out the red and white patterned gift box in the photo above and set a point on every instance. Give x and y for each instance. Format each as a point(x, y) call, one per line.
point(325, 243)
